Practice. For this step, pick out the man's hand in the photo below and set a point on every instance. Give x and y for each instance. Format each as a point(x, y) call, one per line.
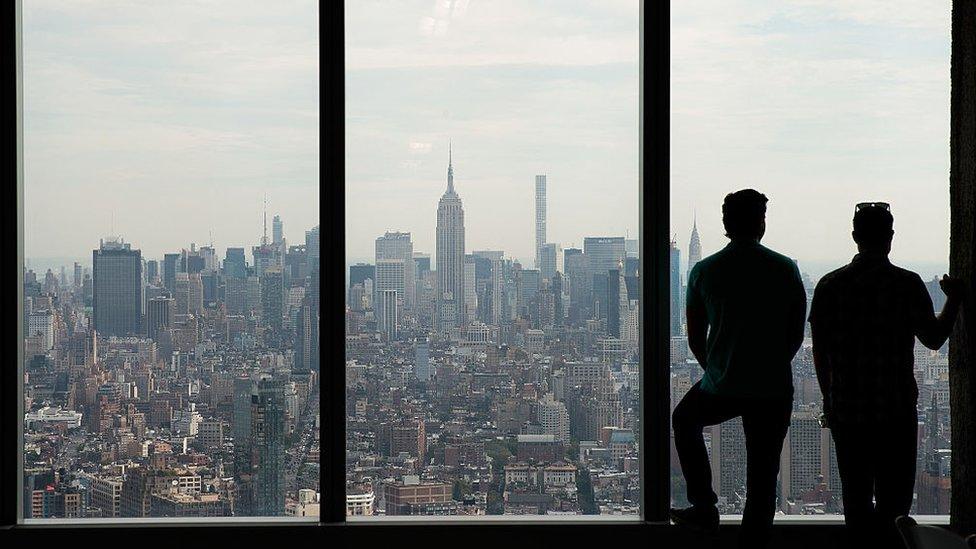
point(952, 287)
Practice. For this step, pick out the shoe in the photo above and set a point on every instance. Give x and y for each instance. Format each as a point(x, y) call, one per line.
point(697, 519)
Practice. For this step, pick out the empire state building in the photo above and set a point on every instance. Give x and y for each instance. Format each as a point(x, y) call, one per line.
point(450, 256)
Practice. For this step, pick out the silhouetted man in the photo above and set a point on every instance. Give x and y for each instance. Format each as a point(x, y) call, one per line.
point(865, 317)
point(746, 307)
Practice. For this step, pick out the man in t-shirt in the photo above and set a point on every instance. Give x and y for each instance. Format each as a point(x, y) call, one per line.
point(746, 308)
point(865, 317)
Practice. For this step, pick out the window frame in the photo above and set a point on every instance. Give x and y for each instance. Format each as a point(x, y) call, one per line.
point(654, 337)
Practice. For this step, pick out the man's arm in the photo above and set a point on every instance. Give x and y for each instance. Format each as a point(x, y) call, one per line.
point(798, 313)
point(698, 332)
point(821, 354)
point(931, 329)
point(697, 318)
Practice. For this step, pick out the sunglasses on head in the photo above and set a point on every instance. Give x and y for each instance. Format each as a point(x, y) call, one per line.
point(863, 205)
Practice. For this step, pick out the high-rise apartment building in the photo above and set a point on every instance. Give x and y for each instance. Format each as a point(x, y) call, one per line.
point(540, 218)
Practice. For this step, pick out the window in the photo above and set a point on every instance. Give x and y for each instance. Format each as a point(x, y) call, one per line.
point(492, 236)
point(170, 304)
point(819, 106)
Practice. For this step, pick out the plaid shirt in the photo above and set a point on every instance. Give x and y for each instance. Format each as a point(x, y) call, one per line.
point(865, 317)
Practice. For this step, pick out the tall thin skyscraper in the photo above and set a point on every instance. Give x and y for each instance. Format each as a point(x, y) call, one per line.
point(118, 288)
point(277, 230)
point(675, 284)
point(694, 247)
point(450, 256)
point(540, 218)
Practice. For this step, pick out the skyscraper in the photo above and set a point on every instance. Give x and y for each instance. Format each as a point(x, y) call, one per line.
point(170, 268)
point(152, 272)
point(540, 218)
point(602, 254)
point(277, 231)
point(118, 288)
point(307, 338)
point(450, 256)
point(235, 264)
point(396, 246)
point(548, 259)
point(675, 286)
point(387, 314)
point(694, 247)
point(268, 412)
point(272, 298)
point(312, 248)
point(160, 313)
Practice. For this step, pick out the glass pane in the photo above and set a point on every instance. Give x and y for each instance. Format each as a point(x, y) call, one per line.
point(493, 278)
point(819, 106)
point(171, 260)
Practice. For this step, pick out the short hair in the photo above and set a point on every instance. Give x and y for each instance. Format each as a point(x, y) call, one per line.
point(743, 213)
point(873, 225)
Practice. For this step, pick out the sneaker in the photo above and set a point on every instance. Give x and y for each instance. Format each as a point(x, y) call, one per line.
point(697, 519)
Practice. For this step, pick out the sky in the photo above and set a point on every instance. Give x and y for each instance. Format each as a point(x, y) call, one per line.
point(818, 104)
point(164, 121)
point(520, 89)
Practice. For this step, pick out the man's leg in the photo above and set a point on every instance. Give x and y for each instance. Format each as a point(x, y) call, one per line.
point(764, 426)
point(697, 410)
point(855, 461)
point(895, 479)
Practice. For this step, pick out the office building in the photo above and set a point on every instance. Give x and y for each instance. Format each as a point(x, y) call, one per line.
point(118, 288)
point(450, 256)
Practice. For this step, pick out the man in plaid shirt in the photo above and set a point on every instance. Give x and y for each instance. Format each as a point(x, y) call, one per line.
point(864, 318)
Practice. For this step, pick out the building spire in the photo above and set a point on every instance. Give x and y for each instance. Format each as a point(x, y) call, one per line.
point(450, 168)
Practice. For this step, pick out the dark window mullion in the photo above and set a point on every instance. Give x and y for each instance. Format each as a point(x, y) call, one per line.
point(332, 183)
point(655, 203)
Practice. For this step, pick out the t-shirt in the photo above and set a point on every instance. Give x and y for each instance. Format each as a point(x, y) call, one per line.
point(756, 306)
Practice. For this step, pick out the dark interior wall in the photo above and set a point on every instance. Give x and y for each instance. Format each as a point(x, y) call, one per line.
point(962, 354)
